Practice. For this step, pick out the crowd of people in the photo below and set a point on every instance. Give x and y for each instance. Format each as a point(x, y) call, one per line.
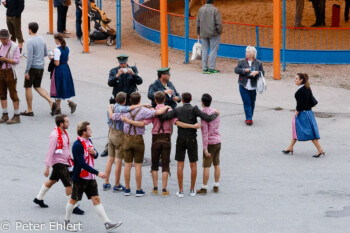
point(127, 118)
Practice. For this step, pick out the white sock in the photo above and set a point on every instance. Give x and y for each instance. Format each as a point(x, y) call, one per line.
point(69, 210)
point(216, 184)
point(4, 110)
point(102, 213)
point(68, 198)
point(42, 192)
point(16, 112)
point(204, 186)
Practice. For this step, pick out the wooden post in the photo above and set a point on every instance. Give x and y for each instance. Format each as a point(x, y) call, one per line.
point(276, 39)
point(164, 32)
point(50, 16)
point(84, 6)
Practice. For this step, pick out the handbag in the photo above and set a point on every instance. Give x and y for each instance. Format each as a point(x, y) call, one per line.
point(66, 2)
point(261, 84)
point(196, 51)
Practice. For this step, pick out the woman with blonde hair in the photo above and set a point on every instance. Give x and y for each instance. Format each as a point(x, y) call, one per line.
point(249, 70)
point(64, 86)
point(304, 126)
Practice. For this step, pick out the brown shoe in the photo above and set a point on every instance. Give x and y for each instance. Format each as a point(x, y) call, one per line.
point(166, 193)
point(15, 120)
point(58, 111)
point(4, 118)
point(216, 189)
point(53, 109)
point(202, 191)
point(25, 113)
point(73, 106)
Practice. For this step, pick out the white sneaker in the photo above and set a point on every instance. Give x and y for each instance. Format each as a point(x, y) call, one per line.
point(111, 226)
point(193, 193)
point(180, 194)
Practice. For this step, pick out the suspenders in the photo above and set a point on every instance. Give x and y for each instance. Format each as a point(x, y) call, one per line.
point(133, 118)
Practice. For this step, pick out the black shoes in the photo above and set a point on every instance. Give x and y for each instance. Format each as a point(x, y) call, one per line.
point(78, 211)
point(287, 151)
point(40, 203)
point(319, 154)
point(104, 153)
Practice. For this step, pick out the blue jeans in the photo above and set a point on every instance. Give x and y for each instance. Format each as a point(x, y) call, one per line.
point(248, 98)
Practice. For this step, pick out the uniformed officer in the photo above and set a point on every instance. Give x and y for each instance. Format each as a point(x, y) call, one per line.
point(163, 84)
point(124, 78)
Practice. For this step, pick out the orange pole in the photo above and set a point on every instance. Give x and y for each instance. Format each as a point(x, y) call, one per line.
point(277, 39)
point(50, 16)
point(164, 32)
point(85, 26)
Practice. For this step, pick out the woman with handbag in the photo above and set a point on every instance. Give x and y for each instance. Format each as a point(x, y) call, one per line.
point(304, 126)
point(62, 9)
point(249, 70)
point(62, 74)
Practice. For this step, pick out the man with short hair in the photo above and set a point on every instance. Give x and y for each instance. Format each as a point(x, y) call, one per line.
point(134, 146)
point(187, 139)
point(209, 28)
point(116, 141)
point(163, 84)
point(84, 177)
point(211, 146)
point(9, 58)
point(36, 53)
point(59, 158)
point(13, 20)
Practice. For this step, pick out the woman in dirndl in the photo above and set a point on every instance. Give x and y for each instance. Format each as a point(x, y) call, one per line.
point(64, 86)
point(304, 125)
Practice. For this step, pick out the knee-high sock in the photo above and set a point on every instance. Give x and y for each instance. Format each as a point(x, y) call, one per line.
point(68, 198)
point(102, 213)
point(69, 210)
point(42, 192)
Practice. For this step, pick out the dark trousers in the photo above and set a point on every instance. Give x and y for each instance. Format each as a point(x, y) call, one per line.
point(79, 21)
point(320, 11)
point(347, 7)
point(61, 18)
point(248, 98)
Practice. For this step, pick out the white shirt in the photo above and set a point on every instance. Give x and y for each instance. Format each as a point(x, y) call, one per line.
point(56, 54)
point(249, 85)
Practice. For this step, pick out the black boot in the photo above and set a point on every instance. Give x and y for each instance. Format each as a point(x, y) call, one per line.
point(40, 203)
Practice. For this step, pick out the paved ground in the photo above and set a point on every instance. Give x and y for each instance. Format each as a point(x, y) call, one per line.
point(261, 190)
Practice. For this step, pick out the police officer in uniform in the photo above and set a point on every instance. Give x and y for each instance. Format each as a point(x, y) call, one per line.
point(172, 97)
point(124, 78)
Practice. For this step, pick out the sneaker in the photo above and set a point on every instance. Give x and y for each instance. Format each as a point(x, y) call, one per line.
point(202, 191)
point(104, 153)
point(213, 71)
point(249, 122)
point(4, 118)
point(206, 71)
point(118, 188)
point(155, 192)
point(180, 194)
point(216, 189)
point(40, 203)
point(192, 193)
point(165, 193)
point(15, 120)
point(106, 187)
point(127, 192)
point(73, 106)
point(78, 211)
point(111, 226)
point(140, 193)
point(68, 226)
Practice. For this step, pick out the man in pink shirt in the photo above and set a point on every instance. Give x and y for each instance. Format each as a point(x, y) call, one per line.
point(211, 146)
point(59, 158)
point(9, 58)
point(161, 142)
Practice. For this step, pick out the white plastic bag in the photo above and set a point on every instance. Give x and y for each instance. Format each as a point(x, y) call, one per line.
point(261, 84)
point(196, 51)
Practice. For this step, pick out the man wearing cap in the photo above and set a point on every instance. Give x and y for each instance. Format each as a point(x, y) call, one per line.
point(13, 20)
point(9, 58)
point(172, 97)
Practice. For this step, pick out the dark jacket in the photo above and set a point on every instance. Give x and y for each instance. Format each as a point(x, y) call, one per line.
point(158, 86)
point(79, 161)
point(14, 7)
point(209, 21)
point(243, 76)
point(57, 3)
point(187, 114)
point(51, 67)
point(303, 97)
point(126, 82)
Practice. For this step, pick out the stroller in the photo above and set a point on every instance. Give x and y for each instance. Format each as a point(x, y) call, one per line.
point(101, 29)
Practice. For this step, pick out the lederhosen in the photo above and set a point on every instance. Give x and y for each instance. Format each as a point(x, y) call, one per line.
point(161, 148)
point(8, 81)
